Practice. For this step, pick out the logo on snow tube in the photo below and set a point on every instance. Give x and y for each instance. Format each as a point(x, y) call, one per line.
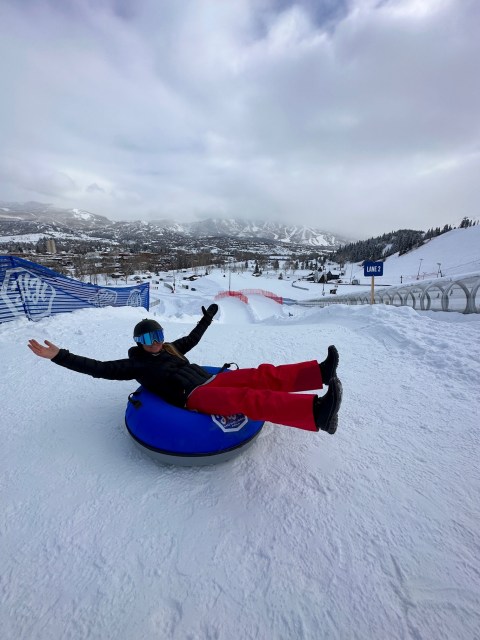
point(230, 423)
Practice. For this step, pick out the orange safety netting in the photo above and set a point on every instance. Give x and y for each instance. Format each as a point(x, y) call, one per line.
point(262, 292)
point(233, 294)
point(241, 295)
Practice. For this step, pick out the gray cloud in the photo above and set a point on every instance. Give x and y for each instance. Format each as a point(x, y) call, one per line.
point(92, 188)
point(355, 116)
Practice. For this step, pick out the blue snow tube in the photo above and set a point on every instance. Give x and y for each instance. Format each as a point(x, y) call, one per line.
point(181, 437)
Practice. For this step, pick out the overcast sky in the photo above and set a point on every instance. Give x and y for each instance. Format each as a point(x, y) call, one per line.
point(354, 116)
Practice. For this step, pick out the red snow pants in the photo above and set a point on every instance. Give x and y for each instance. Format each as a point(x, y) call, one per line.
point(264, 393)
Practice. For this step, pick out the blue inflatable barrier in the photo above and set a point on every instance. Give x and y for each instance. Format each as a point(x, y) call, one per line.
point(177, 436)
point(33, 291)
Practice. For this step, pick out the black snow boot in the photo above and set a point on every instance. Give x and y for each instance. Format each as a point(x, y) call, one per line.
point(325, 409)
point(328, 368)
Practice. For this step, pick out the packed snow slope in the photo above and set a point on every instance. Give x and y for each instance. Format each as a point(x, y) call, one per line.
point(370, 533)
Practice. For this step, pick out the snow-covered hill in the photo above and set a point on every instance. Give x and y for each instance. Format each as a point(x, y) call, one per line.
point(371, 533)
point(454, 253)
point(37, 213)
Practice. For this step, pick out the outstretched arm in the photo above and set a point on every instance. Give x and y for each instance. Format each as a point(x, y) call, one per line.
point(50, 351)
point(111, 370)
point(188, 342)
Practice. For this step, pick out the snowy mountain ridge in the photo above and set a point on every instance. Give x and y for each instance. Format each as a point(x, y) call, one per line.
point(35, 217)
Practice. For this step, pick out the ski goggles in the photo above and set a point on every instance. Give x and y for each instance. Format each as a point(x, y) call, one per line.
point(150, 337)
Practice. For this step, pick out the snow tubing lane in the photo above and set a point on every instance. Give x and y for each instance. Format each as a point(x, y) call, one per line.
point(181, 437)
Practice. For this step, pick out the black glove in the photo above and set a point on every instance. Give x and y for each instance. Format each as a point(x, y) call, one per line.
point(210, 312)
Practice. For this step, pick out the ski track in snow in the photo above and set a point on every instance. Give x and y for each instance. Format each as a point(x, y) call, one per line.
point(372, 533)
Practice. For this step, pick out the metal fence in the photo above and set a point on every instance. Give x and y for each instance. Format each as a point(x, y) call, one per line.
point(33, 291)
point(453, 293)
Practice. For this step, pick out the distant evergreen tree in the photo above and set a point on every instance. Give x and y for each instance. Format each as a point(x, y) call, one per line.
point(466, 222)
point(432, 233)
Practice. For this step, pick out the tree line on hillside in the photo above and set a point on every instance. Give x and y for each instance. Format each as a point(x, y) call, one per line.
point(401, 241)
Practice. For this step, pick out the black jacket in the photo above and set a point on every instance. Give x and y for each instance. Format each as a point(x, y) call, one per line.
point(169, 376)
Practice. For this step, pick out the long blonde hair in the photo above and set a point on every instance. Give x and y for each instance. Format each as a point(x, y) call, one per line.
point(169, 348)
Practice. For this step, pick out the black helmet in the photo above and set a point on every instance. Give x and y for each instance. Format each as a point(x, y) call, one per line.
point(146, 326)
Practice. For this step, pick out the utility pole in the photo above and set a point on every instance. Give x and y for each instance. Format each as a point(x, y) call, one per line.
point(419, 266)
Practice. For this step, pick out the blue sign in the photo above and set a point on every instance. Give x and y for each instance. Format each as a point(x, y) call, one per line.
point(371, 268)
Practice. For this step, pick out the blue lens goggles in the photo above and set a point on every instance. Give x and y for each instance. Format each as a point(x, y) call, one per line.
point(150, 338)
